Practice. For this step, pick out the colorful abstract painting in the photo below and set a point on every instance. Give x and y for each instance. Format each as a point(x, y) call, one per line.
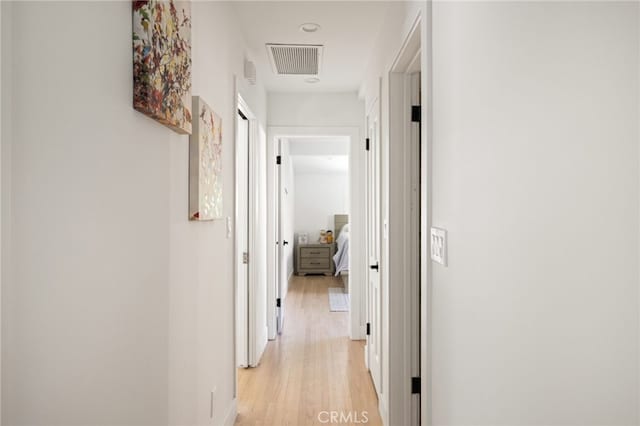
point(205, 164)
point(162, 62)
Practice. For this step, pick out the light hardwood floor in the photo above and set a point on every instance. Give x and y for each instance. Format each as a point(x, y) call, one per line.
point(312, 367)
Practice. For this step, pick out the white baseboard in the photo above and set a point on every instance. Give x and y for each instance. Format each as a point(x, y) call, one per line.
point(261, 346)
point(383, 410)
point(232, 413)
point(360, 334)
point(366, 356)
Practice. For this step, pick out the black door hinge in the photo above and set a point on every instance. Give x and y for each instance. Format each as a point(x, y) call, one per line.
point(278, 302)
point(368, 329)
point(279, 160)
point(415, 385)
point(416, 114)
point(366, 144)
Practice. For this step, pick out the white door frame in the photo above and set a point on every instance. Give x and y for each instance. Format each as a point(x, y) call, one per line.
point(356, 211)
point(241, 220)
point(2, 118)
point(373, 240)
point(282, 272)
point(6, 130)
point(407, 214)
point(247, 325)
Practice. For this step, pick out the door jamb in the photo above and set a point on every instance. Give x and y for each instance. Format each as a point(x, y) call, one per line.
point(252, 222)
point(280, 272)
point(2, 122)
point(405, 321)
point(375, 107)
point(242, 321)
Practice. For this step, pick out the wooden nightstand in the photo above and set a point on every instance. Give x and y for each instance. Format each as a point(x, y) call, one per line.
point(315, 259)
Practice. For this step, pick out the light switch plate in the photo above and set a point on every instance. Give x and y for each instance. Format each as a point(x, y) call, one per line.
point(439, 246)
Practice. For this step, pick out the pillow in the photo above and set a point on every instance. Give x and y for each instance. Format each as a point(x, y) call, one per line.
point(345, 228)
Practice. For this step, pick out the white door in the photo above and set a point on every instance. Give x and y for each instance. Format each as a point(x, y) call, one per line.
point(374, 288)
point(242, 241)
point(282, 242)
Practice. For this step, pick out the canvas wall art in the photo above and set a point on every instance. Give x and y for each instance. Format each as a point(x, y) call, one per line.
point(205, 163)
point(162, 62)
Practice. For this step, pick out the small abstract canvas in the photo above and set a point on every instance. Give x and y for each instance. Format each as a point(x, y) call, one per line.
point(205, 164)
point(162, 62)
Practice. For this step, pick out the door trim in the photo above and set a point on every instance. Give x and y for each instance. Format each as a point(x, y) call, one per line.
point(255, 343)
point(406, 247)
point(357, 323)
point(241, 305)
point(373, 119)
point(282, 273)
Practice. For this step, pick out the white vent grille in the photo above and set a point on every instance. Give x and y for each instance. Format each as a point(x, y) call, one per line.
point(295, 59)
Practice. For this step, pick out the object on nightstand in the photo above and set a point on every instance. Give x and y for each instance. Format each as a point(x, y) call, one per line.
point(303, 238)
point(329, 237)
point(323, 237)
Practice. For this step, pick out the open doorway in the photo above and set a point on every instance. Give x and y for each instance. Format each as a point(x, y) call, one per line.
point(313, 220)
point(326, 162)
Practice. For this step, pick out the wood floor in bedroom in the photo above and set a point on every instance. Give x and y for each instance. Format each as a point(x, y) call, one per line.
point(311, 370)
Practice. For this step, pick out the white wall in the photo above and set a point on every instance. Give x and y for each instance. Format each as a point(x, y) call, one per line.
point(535, 175)
point(319, 198)
point(315, 109)
point(202, 277)
point(86, 307)
point(534, 169)
point(114, 306)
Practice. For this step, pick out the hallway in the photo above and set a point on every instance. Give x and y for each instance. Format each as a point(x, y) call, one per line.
point(312, 368)
point(166, 165)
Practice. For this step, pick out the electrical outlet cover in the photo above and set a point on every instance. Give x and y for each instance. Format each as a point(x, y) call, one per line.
point(439, 246)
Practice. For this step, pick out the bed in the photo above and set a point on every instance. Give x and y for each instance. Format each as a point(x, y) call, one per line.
point(341, 258)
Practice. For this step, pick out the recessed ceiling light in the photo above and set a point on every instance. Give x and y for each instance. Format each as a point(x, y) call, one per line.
point(312, 80)
point(309, 27)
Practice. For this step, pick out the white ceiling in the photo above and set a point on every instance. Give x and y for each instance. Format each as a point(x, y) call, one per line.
point(315, 164)
point(349, 31)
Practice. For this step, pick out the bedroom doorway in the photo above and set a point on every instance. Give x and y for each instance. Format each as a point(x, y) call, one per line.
point(311, 188)
point(312, 220)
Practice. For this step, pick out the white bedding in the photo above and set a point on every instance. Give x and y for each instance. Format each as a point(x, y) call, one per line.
point(341, 258)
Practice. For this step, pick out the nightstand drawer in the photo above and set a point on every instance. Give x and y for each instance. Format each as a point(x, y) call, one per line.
point(315, 252)
point(312, 263)
point(315, 259)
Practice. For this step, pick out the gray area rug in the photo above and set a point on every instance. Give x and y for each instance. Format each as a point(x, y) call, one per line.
point(338, 300)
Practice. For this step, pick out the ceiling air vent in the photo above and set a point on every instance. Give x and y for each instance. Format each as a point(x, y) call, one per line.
point(295, 59)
